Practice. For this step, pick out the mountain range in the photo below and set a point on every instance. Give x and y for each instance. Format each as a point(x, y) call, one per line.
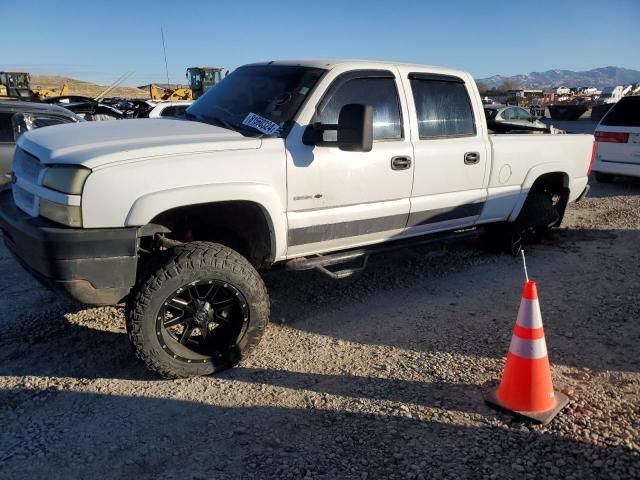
point(597, 77)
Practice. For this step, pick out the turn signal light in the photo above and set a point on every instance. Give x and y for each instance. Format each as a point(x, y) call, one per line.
point(612, 137)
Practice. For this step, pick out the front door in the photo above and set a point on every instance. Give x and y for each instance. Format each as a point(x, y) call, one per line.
point(338, 199)
point(451, 152)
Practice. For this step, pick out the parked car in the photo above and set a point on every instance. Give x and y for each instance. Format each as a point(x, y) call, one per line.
point(169, 108)
point(87, 107)
point(18, 116)
point(504, 119)
point(306, 164)
point(618, 141)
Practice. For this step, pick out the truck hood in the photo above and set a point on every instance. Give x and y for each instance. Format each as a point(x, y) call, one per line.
point(95, 144)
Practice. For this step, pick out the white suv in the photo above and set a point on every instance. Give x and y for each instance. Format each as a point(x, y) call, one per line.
point(618, 141)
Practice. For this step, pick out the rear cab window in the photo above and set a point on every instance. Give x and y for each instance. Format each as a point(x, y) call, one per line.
point(625, 113)
point(443, 106)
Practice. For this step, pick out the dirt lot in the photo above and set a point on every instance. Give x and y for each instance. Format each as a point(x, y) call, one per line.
point(381, 376)
point(87, 89)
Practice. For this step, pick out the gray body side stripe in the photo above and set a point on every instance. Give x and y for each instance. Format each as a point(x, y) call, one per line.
point(443, 214)
point(332, 231)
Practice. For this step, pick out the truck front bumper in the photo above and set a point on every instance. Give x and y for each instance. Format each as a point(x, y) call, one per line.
point(93, 266)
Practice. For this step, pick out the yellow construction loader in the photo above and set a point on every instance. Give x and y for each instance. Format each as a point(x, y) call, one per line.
point(42, 93)
point(202, 79)
point(157, 93)
point(18, 84)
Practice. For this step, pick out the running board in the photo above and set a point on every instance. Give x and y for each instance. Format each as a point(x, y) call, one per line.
point(321, 262)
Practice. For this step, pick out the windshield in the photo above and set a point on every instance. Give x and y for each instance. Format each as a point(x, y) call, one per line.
point(256, 100)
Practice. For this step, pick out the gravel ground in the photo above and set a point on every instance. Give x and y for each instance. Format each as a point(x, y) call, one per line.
point(379, 376)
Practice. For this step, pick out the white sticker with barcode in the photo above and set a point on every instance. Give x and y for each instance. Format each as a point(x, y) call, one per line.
point(260, 123)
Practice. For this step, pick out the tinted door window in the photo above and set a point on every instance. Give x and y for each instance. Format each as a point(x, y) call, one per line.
point(625, 113)
point(6, 128)
point(380, 93)
point(443, 108)
point(523, 114)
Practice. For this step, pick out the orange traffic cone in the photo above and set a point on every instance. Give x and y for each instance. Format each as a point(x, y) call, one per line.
point(526, 387)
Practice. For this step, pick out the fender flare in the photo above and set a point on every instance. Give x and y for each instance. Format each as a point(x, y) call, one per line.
point(532, 175)
point(149, 206)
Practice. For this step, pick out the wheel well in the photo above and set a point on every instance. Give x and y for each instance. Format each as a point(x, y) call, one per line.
point(556, 186)
point(241, 225)
point(555, 181)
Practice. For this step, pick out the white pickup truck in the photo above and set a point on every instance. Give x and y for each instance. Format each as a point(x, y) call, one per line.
point(303, 163)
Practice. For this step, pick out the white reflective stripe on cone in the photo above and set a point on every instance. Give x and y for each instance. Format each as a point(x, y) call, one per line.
point(529, 315)
point(528, 348)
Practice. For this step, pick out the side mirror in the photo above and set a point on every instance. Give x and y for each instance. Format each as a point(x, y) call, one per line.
point(354, 130)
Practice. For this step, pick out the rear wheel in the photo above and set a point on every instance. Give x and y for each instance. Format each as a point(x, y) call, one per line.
point(539, 213)
point(604, 177)
point(203, 310)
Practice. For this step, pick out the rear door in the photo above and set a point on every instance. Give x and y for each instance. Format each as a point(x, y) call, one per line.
point(450, 148)
point(618, 134)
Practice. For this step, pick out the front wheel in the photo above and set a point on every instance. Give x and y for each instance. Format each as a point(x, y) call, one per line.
point(202, 311)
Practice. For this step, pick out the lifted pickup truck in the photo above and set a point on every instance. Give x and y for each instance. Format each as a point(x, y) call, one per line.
point(299, 162)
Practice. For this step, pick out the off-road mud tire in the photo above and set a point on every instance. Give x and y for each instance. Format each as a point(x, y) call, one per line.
point(182, 265)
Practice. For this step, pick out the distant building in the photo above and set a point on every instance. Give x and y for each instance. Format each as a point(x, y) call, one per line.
point(563, 90)
point(523, 92)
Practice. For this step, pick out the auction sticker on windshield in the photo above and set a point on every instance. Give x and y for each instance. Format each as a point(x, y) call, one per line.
point(260, 123)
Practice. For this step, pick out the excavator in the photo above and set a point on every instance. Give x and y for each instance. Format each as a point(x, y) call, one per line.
point(18, 84)
point(200, 80)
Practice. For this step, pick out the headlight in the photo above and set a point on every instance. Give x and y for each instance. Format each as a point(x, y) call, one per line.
point(70, 215)
point(67, 179)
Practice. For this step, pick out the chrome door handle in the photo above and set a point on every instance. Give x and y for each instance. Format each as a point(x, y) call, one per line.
point(471, 158)
point(400, 163)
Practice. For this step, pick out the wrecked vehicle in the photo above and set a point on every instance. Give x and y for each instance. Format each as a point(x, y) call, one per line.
point(505, 119)
point(17, 117)
point(87, 108)
point(306, 164)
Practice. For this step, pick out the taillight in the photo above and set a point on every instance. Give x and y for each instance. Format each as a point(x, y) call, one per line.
point(612, 137)
point(594, 149)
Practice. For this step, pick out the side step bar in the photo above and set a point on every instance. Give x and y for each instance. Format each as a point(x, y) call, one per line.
point(321, 262)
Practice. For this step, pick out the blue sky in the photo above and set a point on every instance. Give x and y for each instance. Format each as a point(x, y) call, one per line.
point(98, 41)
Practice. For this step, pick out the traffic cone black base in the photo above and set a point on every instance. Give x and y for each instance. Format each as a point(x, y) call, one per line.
point(541, 417)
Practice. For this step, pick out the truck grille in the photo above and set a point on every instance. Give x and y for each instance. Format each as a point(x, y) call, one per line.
point(26, 166)
point(26, 201)
point(26, 169)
